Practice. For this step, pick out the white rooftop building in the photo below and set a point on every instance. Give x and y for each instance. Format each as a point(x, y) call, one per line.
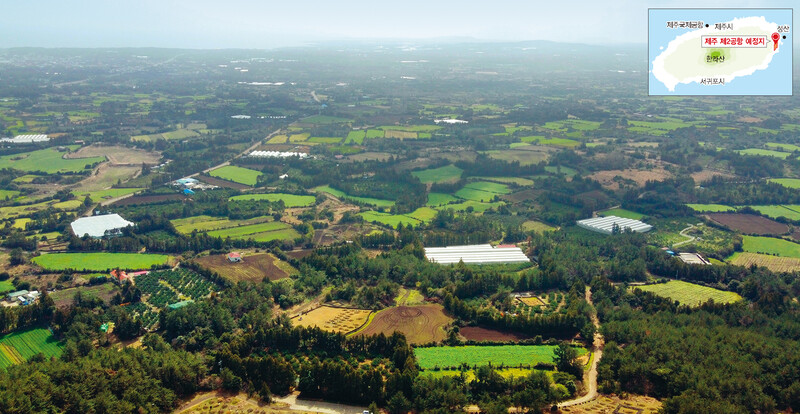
point(26, 139)
point(277, 154)
point(475, 254)
point(100, 226)
point(606, 224)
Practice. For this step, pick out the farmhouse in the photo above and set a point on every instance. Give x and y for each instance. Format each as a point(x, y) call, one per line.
point(234, 257)
point(476, 254)
point(606, 225)
point(100, 226)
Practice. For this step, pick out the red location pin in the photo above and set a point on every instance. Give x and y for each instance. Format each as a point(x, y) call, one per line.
point(775, 38)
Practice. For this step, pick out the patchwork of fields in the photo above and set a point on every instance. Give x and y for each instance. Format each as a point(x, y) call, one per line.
point(261, 229)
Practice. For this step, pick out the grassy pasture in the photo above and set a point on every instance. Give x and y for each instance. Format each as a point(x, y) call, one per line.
point(621, 212)
point(448, 173)
point(375, 133)
point(690, 294)
point(770, 245)
point(355, 137)
point(764, 153)
point(365, 200)
point(476, 206)
point(537, 226)
point(787, 182)
point(98, 261)
point(18, 347)
point(325, 140)
point(524, 157)
point(237, 174)
point(711, 208)
point(507, 355)
point(392, 220)
point(48, 160)
point(289, 200)
point(439, 199)
point(496, 188)
point(423, 214)
point(783, 147)
point(257, 232)
point(475, 195)
point(775, 211)
point(507, 180)
point(299, 137)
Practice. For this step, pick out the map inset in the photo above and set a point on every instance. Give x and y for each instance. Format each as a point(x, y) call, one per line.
point(720, 52)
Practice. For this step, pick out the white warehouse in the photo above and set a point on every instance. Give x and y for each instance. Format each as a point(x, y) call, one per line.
point(475, 254)
point(606, 224)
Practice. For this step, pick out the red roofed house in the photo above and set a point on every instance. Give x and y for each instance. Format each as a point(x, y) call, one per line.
point(234, 257)
point(119, 275)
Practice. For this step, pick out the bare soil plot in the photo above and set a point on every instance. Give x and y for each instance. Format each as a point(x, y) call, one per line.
point(299, 254)
point(117, 154)
point(606, 178)
point(532, 301)
point(774, 263)
point(332, 319)
point(707, 175)
point(477, 333)
point(252, 268)
point(420, 324)
point(749, 223)
point(633, 404)
point(369, 156)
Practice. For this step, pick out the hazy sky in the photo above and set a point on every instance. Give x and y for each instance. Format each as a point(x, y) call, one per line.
point(267, 24)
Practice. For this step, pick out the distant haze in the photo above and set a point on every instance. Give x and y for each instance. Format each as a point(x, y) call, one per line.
point(269, 24)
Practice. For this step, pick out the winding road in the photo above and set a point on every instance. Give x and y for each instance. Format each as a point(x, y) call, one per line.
point(689, 238)
point(590, 377)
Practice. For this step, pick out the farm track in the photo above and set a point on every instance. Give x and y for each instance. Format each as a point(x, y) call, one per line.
point(682, 233)
point(590, 377)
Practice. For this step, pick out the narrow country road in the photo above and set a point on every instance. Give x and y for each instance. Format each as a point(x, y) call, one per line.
point(689, 238)
point(590, 377)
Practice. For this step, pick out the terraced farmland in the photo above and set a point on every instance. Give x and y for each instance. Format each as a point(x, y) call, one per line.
point(18, 347)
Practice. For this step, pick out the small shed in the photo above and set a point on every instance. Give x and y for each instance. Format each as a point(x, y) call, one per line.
point(187, 191)
point(234, 257)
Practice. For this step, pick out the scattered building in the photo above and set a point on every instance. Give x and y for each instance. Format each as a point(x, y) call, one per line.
point(23, 297)
point(283, 176)
point(234, 257)
point(178, 305)
point(100, 226)
point(241, 117)
point(693, 258)
point(450, 121)
point(277, 154)
point(606, 225)
point(187, 191)
point(26, 139)
point(476, 254)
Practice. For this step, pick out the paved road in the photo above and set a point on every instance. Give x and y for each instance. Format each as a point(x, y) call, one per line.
point(689, 238)
point(590, 378)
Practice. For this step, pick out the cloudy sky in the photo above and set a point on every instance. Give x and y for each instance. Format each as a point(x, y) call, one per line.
point(268, 24)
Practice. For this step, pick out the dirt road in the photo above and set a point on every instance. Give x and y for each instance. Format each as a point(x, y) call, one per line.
point(297, 404)
point(590, 377)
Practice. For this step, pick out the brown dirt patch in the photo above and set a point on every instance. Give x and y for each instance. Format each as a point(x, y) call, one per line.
point(476, 333)
point(606, 178)
point(749, 223)
point(633, 404)
point(369, 156)
point(148, 199)
point(420, 324)
point(520, 196)
point(750, 119)
point(253, 268)
point(328, 318)
point(223, 183)
point(707, 175)
point(219, 402)
point(117, 155)
point(774, 263)
point(299, 254)
point(64, 298)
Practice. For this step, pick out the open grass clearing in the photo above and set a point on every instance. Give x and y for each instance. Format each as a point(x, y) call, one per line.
point(770, 245)
point(787, 182)
point(236, 174)
point(289, 200)
point(99, 261)
point(448, 173)
point(473, 355)
point(710, 208)
point(48, 160)
point(764, 153)
point(439, 199)
point(364, 200)
point(774, 263)
point(621, 212)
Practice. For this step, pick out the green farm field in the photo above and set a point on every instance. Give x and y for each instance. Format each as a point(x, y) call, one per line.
point(208, 223)
point(764, 153)
point(507, 355)
point(786, 182)
point(236, 174)
point(392, 220)
point(770, 245)
point(289, 200)
point(20, 346)
point(439, 199)
point(48, 160)
point(261, 232)
point(775, 211)
point(365, 200)
point(690, 294)
point(99, 261)
point(621, 212)
point(448, 173)
point(710, 208)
